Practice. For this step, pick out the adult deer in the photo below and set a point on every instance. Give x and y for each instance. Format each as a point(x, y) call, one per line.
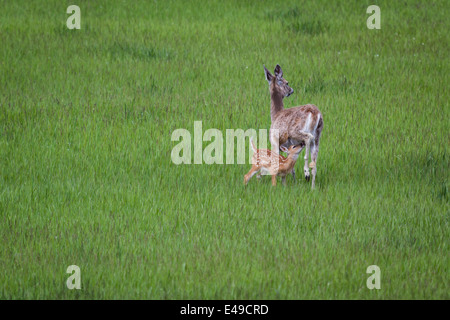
point(293, 125)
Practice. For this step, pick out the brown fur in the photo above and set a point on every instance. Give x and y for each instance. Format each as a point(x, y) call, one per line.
point(290, 122)
point(274, 163)
point(294, 125)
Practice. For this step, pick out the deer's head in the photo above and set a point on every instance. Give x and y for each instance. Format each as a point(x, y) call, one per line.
point(277, 84)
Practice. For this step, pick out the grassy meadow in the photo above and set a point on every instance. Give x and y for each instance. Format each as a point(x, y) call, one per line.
point(86, 176)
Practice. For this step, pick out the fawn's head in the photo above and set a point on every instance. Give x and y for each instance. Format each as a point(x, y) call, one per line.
point(293, 149)
point(277, 84)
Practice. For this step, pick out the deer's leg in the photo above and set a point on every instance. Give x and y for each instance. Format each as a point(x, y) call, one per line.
point(283, 179)
point(274, 138)
point(250, 174)
point(308, 138)
point(313, 164)
point(306, 167)
point(275, 142)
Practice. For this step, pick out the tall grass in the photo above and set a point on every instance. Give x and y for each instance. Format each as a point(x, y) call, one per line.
point(86, 177)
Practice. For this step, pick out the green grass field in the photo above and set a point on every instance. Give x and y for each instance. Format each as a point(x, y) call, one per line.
point(86, 176)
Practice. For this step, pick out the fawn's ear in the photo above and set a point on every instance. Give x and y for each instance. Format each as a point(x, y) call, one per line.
point(278, 72)
point(268, 75)
point(284, 149)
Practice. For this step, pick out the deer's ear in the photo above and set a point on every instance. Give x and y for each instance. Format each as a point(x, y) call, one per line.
point(268, 75)
point(278, 72)
point(284, 149)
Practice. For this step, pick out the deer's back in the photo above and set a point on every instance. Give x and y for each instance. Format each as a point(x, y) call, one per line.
point(293, 120)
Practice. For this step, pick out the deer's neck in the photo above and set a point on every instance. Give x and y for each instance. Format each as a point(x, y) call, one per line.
point(276, 104)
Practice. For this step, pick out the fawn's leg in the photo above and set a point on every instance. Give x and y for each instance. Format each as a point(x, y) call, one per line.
point(274, 179)
point(250, 174)
point(283, 179)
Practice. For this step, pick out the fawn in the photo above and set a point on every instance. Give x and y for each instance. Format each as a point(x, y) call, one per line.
point(293, 125)
point(273, 163)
